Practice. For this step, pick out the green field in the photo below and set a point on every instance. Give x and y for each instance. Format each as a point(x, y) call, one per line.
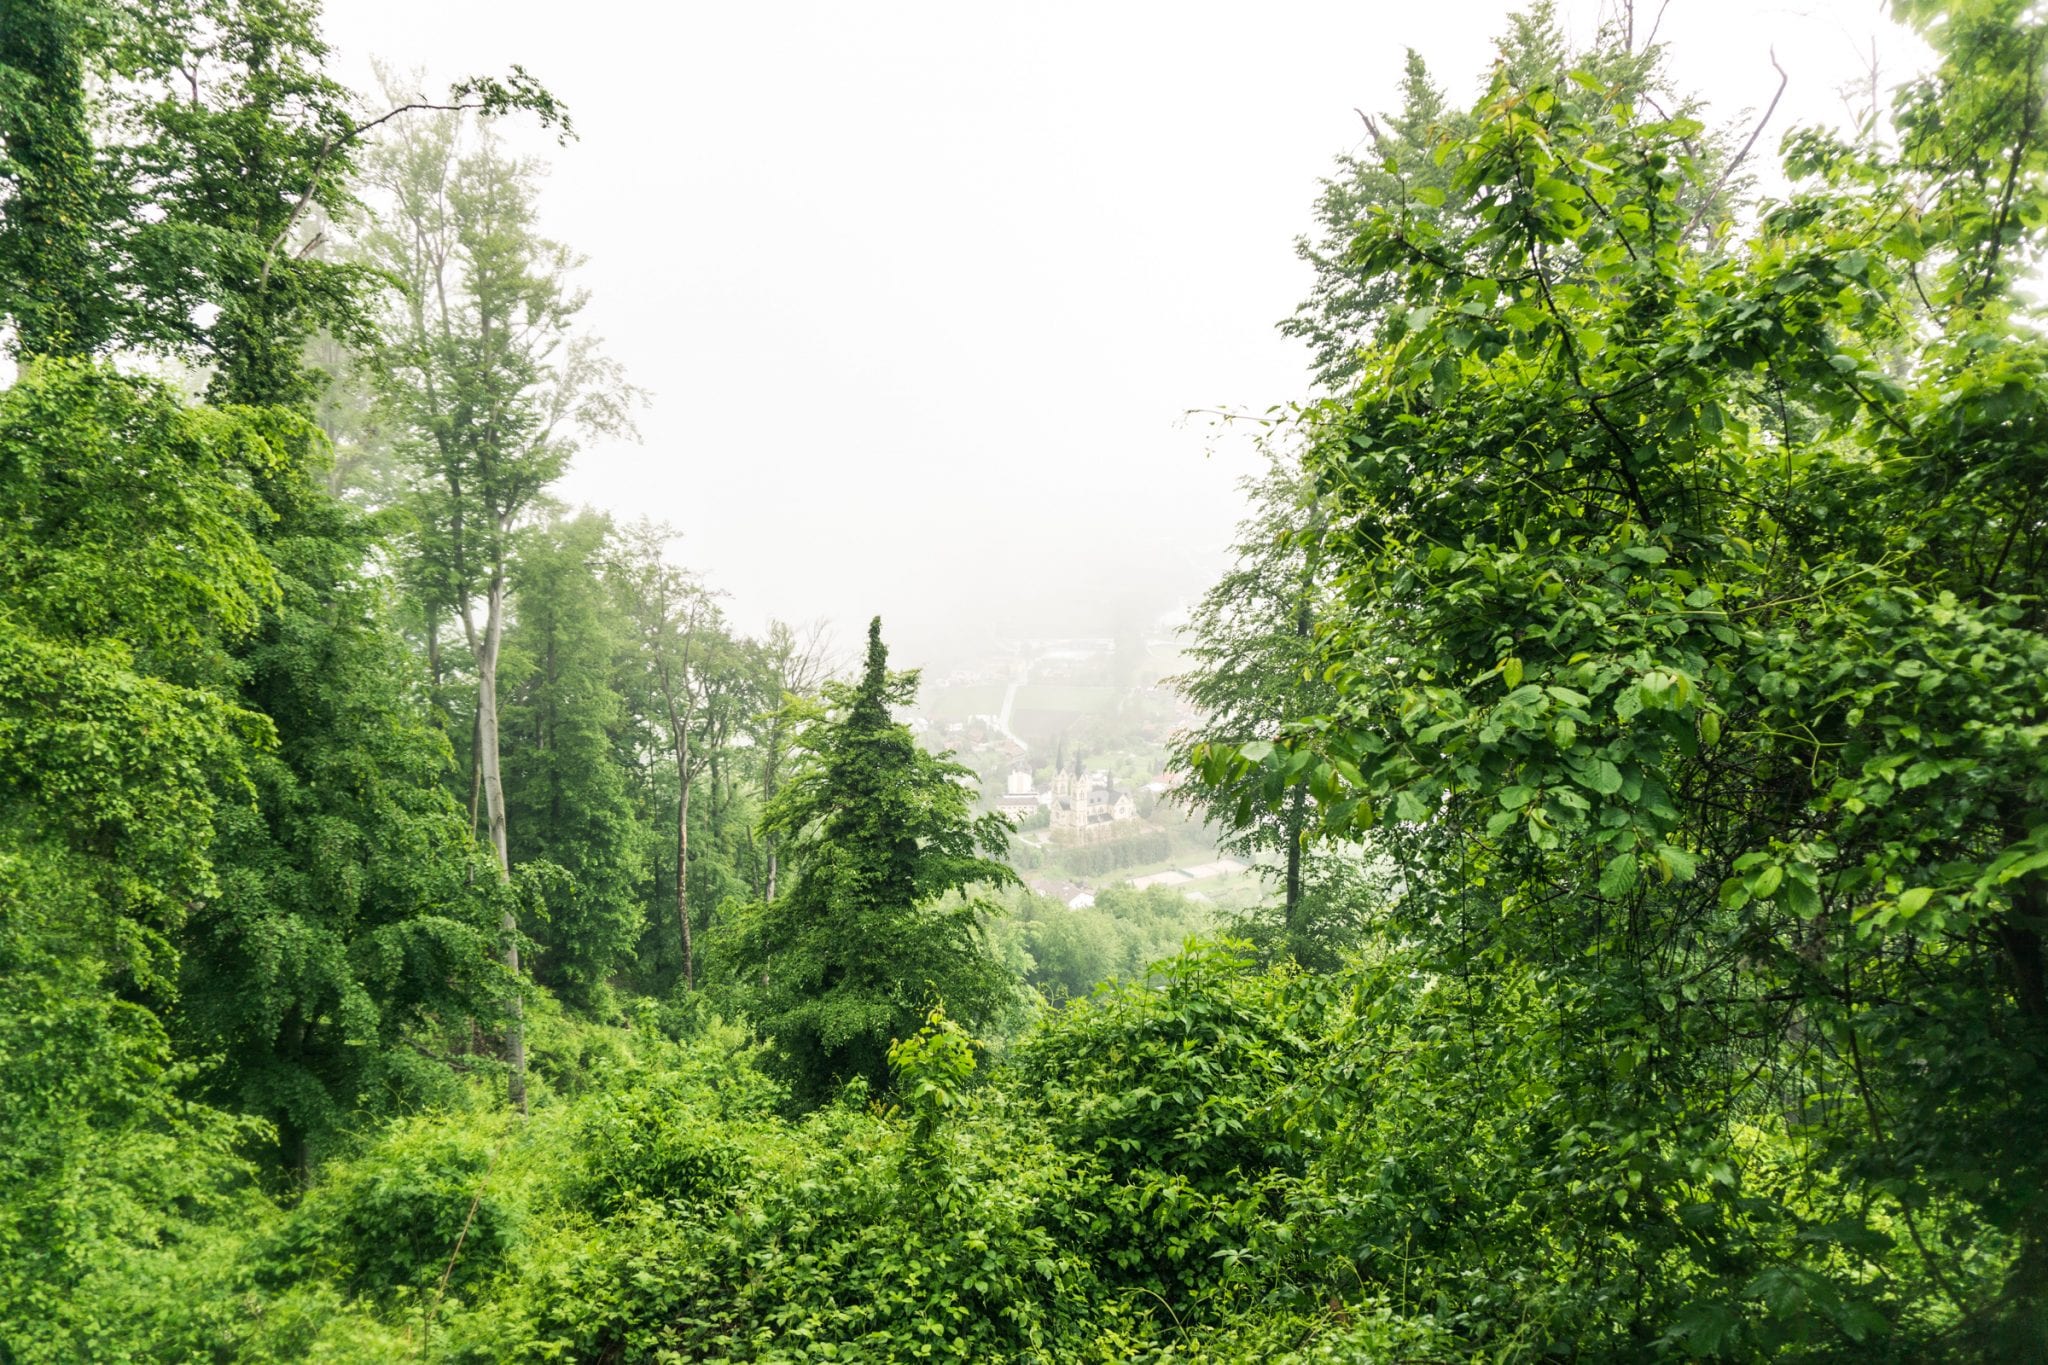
point(1048, 705)
point(1070, 700)
point(945, 704)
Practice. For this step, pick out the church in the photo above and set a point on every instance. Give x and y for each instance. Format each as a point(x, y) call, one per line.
point(1087, 806)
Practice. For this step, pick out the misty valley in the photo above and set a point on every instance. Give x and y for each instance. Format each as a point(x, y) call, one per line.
point(1568, 883)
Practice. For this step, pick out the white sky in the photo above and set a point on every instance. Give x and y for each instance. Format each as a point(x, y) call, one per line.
point(922, 292)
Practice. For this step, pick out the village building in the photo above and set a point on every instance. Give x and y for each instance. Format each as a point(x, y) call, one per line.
point(1021, 799)
point(1087, 806)
point(1018, 807)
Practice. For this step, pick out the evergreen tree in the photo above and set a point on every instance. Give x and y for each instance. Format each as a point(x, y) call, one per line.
point(879, 916)
point(1253, 650)
point(1410, 161)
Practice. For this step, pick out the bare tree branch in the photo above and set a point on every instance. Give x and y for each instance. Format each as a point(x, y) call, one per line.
point(1747, 147)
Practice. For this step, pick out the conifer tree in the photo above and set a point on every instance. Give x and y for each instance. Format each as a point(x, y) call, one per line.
point(880, 915)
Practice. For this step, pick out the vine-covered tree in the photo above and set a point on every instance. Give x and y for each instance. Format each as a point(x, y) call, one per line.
point(348, 923)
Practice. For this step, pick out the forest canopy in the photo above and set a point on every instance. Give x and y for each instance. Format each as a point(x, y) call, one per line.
point(431, 929)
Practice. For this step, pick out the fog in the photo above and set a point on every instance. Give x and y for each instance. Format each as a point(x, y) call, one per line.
point(925, 295)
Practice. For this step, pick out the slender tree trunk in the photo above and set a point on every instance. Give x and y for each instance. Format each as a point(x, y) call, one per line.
point(769, 764)
point(683, 851)
point(476, 750)
point(1296, 809)
point(493, 785)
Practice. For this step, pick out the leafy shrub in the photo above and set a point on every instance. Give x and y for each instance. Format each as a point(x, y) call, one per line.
point(1172, 1089)
point(392, 1218)
point(645, 1140)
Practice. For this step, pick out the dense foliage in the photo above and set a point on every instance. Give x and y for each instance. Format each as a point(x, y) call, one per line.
point(1633, 676)
point(1687, 649)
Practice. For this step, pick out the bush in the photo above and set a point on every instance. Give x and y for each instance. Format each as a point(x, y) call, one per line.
point(1173, 1089)
point(392, 1218)
point(645, 1140)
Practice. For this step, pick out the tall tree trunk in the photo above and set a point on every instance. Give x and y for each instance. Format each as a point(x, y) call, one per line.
point(683, 849)
point(476, 749)
point(770, 763)
point(494, 810)
point(1296, 809)
point(1297, 806)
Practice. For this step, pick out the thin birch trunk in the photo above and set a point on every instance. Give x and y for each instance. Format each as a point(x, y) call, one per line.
point(494, 810)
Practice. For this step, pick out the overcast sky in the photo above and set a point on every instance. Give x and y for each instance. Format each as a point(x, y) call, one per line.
point(924, 292)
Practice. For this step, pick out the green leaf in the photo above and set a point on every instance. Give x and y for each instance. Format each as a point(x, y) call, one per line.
point(1618, 876)
point(1677, 863)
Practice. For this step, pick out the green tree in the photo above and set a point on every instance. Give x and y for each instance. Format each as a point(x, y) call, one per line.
point(1254, 666)
point(348, 921)
point(1410, 161)
point(126, 567)
point(53, 219)
point(879, 917)
point(1344, 302)
point(1687, 647)
point(487, 372)
point(679, 638)
point(794, 663)
point(565, 785)
point(162, 161)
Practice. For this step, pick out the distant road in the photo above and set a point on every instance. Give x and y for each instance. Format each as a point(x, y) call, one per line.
point(1002, 717)
point(1009, 705)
